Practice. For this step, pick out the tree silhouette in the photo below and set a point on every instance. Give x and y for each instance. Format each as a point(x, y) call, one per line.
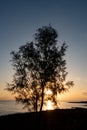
point(39, 66)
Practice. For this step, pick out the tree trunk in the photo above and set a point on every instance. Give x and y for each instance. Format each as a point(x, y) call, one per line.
point(36, 105)
point(42, 96)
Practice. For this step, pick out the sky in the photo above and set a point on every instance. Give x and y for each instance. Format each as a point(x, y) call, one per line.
point(19, 20)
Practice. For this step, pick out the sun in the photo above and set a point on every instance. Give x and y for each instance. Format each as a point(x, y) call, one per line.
point(49, 105)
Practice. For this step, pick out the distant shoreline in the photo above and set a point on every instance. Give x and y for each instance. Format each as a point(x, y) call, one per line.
point(77, 102)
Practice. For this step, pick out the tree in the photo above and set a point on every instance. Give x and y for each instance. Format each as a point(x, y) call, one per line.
point(39, 66)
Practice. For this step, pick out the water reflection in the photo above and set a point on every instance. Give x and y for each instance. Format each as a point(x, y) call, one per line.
point(64, 105)
point(8, 107)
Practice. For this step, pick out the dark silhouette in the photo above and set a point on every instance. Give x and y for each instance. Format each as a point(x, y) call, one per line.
point(62, 119)
point(39, 66)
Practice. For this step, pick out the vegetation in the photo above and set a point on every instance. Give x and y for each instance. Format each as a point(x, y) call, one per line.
point(39, 67)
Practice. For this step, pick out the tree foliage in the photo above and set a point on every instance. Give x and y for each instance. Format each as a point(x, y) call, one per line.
point(39, 66)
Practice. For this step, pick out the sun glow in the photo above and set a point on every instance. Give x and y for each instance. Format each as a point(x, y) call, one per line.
point(49, 105)
point(48, 92)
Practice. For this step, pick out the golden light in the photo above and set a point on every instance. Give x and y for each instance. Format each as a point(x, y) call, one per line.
point(48, 92)
point(49, 105)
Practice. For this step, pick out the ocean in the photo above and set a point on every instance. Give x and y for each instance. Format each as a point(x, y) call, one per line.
point(11, 107)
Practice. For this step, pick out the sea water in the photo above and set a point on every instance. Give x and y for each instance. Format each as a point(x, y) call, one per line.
point(10, 107)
